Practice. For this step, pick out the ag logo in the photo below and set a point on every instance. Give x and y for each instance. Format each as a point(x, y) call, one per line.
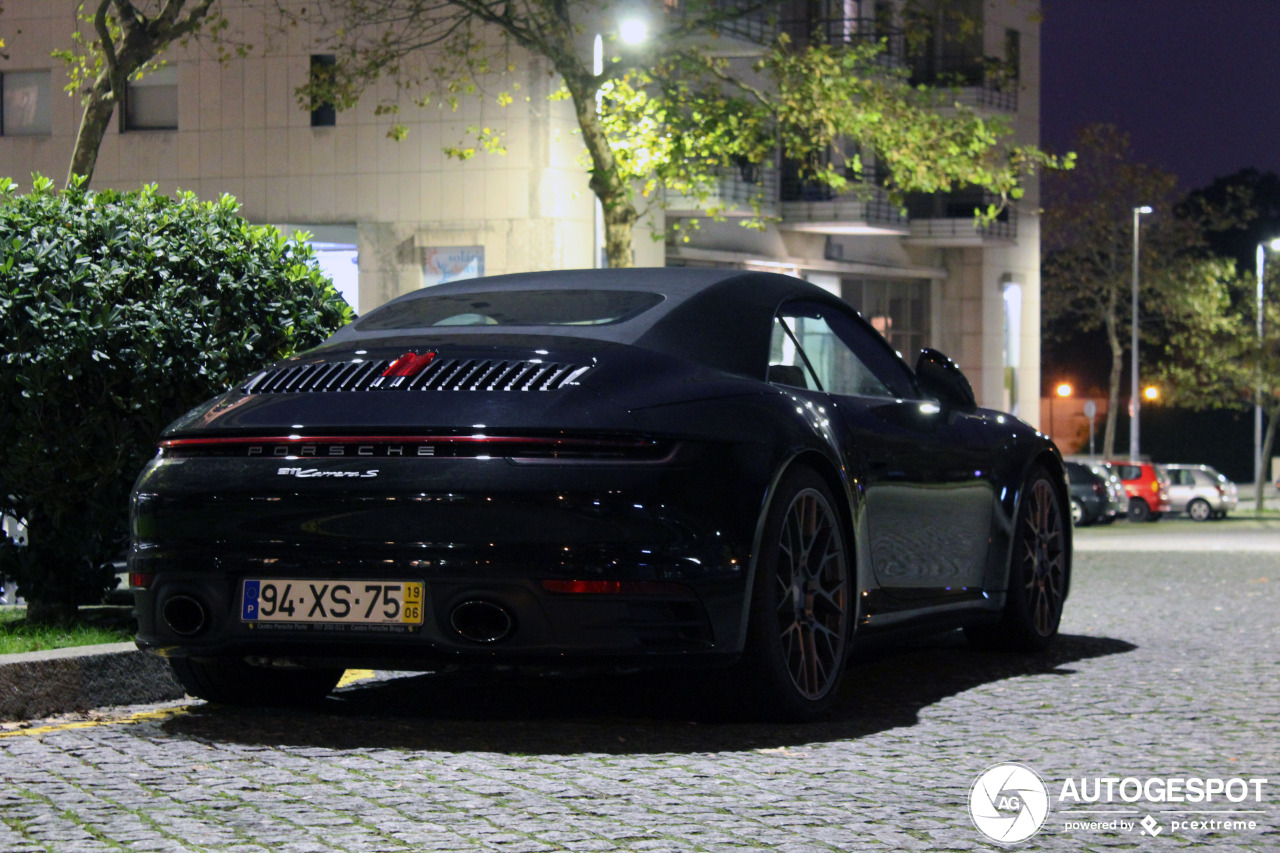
point(1008, 803)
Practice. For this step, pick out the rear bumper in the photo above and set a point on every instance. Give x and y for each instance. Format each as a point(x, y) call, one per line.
point(539, 625)
point(676, 536)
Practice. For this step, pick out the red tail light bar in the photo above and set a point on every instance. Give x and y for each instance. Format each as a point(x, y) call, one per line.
point(600, 587)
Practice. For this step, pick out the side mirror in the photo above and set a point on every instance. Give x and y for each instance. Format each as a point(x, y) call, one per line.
point(940, 377)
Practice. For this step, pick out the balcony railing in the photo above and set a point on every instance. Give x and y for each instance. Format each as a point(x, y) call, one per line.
point(859, 209)
point(983, 81)
point(733, 191)
point(952, 216)
point(745, 19)
point(965, 230)
point(850, 31)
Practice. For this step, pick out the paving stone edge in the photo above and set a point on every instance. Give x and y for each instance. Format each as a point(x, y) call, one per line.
point(38, 684)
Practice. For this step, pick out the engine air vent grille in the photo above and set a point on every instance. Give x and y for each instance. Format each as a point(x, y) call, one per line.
point(442, 374)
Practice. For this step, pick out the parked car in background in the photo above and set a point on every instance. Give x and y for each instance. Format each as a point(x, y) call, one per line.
point(1147, 487)
point(1200, 491)
point(1092, 499)
point(1114, 484)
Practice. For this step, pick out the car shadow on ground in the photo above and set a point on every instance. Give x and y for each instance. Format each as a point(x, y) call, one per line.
point(651, 712)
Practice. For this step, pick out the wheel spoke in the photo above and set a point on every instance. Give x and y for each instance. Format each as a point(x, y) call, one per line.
point(1043, 558)
point(812, 597)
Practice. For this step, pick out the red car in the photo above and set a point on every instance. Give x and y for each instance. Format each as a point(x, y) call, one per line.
point(1147, 487)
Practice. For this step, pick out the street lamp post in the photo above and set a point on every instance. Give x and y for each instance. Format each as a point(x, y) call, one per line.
point(1261, 264)
point(1134, 394)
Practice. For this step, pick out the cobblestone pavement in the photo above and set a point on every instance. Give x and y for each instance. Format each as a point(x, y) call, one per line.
point(1167, 668)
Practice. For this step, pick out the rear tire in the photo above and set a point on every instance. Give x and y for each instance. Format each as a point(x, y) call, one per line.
point(231, 681)
point(1039, 573)
point(801, 605)
point(1139, 510)
point(1200, 510)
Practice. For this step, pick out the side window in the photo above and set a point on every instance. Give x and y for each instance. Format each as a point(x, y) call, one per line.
point(786, 364)
point(814, 346)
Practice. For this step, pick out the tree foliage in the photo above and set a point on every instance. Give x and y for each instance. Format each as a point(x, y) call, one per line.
point(1214, 356)
point(119, 312)
point(1088, 250)
point(673, 114)
point(120, 41)
point(1256, 192)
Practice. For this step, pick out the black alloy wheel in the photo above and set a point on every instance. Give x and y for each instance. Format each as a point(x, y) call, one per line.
point(802, 603)
point(1039, 572)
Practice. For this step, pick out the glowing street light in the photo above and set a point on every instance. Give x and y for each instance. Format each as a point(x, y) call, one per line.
point(633, 30)
point(1151, 392)
point(1135, 402)
point(1064, 390)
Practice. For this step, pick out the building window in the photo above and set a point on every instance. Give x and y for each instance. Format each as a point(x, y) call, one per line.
point(152, 102)
point(25, 103)
point(1013, 53)
point(899, 310)
point(323, 113)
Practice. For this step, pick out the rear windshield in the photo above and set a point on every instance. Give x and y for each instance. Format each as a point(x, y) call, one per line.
point(512, 308)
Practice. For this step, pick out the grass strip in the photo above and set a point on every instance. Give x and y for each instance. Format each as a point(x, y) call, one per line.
point(89, 629)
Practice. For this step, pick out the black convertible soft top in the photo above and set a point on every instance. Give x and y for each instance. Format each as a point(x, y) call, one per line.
point(718, 317)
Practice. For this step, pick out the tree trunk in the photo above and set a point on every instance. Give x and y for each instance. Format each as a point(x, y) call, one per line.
point(1113, 393)
point(620, 213)
point(618, 228)
point(99, 106)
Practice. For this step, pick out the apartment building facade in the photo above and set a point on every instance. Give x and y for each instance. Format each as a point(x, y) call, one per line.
point(389, 216)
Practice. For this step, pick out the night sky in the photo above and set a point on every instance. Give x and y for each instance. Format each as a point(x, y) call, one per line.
point(1196, 83)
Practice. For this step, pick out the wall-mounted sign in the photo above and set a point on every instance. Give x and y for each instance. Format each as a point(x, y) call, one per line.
point(451, 263)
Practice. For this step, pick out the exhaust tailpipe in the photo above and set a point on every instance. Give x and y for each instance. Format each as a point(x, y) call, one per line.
point(480, 621)
point(185, 615)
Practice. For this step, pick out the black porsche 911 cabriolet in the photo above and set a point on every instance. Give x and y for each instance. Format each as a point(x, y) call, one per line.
point(609, 467)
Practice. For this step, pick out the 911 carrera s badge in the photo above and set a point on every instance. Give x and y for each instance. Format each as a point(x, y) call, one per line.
point(304, 473)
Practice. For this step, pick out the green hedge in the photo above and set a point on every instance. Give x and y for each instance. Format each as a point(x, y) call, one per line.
point(118, 312)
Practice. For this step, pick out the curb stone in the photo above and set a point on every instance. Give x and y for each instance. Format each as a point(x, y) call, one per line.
point(39, 684)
